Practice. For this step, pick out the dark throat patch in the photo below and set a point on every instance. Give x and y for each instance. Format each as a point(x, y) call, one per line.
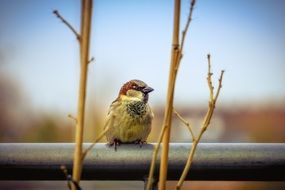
point(137, 108)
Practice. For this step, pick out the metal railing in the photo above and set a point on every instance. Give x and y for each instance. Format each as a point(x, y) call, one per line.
point(213, 161)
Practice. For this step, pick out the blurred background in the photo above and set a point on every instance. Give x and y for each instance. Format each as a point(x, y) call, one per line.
point(39, 72)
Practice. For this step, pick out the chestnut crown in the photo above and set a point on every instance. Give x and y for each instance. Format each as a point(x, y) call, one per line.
point(136, 85)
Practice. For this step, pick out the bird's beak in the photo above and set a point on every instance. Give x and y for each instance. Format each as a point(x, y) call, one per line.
point(147, 90)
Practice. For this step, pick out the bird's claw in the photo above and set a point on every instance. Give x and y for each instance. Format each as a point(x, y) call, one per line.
point(116, 143)
point(140, 142)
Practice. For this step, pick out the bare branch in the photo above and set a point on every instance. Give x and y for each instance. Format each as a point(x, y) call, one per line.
point(166, 126)
point(84, 43)
point(176, 57)
point(206, 122)
point(67, 24)
point(186, 123)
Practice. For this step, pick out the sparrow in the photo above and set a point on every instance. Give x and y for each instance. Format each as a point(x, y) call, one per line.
point(130, 116)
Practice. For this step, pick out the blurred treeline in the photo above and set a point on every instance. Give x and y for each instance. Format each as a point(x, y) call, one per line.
point(21, 122)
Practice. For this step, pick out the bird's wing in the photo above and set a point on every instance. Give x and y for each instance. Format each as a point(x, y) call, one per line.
point(110, 122)
point(111, 113)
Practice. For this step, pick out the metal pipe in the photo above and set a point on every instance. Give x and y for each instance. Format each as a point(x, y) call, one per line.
point(213, 161)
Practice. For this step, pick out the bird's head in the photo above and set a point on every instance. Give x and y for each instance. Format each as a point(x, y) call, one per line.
point(136, 89)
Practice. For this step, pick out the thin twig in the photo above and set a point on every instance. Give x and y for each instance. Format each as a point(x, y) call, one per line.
point(184, 32)
point(91, 60)
point(189, 162)
point(69, 179)
point(206, 122)
point(186, 123)
point(72, 117)
point(101, 135)
point(64, 170)
point(67, 24)
point(209, 78)
point(220, 85)
point(154, 157)
point(189, 19)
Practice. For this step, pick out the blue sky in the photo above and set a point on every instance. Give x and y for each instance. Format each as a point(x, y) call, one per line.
point(132, 39)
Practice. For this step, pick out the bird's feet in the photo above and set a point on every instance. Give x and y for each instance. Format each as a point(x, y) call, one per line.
point(116, 143)
point(140, 142)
